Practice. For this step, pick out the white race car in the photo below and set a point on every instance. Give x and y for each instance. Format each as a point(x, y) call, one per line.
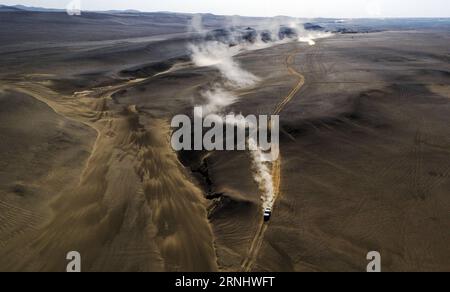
point(267, 214)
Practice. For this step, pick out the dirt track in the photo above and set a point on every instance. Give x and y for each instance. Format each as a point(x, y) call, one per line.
point(276, 166)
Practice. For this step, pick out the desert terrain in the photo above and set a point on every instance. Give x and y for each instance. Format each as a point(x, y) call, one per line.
point(87, 165)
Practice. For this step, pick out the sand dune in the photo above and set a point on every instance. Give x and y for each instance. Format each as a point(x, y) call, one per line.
point(132, 189)
point(86, 161)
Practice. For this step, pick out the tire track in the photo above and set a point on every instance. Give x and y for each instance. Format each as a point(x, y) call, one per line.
point(258, 240)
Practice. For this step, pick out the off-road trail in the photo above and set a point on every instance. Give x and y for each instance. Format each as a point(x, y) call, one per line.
point(258, 240)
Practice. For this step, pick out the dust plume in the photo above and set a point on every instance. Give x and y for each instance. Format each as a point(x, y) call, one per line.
point(262, 175)
point(218, 51)
point(196, 23)
point(310, 37)
point(217, 100)
point(220, 56)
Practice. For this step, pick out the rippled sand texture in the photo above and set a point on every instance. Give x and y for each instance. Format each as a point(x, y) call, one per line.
point(86, 162)
point(134, 207)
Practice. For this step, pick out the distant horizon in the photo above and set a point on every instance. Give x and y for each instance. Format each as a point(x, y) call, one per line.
point(341, 9)
point(61, 10)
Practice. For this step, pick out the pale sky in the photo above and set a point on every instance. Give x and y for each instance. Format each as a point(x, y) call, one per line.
point(297, 8)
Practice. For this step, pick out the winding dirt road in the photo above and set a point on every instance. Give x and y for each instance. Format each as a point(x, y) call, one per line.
point(258, 240)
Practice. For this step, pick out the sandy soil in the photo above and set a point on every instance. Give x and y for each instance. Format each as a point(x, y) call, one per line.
point(87, 164)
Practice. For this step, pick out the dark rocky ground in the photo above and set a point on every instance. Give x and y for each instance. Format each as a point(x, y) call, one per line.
point(365, 149)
